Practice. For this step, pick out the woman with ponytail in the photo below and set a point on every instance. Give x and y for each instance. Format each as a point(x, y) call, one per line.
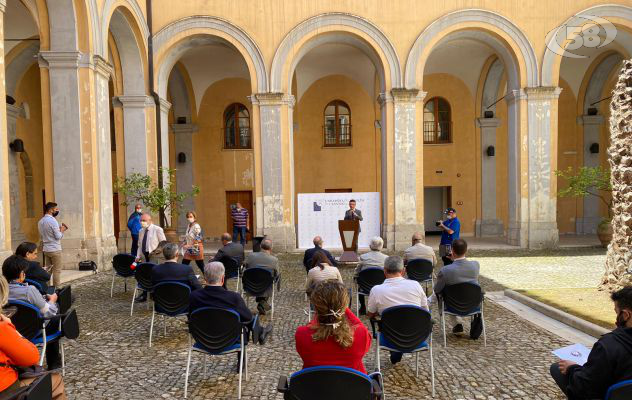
point(335, 336)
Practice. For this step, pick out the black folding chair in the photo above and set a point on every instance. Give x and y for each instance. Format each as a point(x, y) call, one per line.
point(331, 382)
point(214, 332)
point(620, 391)
point(231, 270)
point(171, 299)
point(404, 329)
point(142, 273)
point(364, 282)
point(421, 270)
point(462, 300)
point(40, 389)
point(256, 281)
point(122, 267)
point(64, 299)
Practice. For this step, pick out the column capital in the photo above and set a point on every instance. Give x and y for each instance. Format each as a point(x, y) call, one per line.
point(590, 120)
point(102, 67)
point(541, 93)
point(165, 106)
point(13, 112)
point(133, 101)
point(3, 5)
point(487, 122)
point(384, 98)
point(272, 99)
point(515, 96)
point(407, 95)
point(59, 59)
point(184, 128)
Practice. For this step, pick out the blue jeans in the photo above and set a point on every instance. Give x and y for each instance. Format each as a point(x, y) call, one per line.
point(239, 230)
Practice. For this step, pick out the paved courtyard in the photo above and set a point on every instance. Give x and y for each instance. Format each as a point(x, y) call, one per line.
point(112, 360)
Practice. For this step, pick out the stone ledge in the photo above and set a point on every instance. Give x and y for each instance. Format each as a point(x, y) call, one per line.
point(584, 326)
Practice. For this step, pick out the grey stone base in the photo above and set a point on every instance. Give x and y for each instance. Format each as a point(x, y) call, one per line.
point(16, 239)
point(98, 250)
point(4, 254)
point(587, 225)
point(388, 234)
point(543, 235)
point(403, 235)
point(283, 238)
point(516, 234)
point(125, 241)
point(489, 227)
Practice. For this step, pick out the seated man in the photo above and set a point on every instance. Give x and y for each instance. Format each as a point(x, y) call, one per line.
point(264, 258)
point(34, 272)
point(373, 259)
point(309, 253)
point(609, 361)
point(395, 291)
point(171, 270)
point(216, 296)
point(230, 249)
point(419, 250)
point(460, 271)
point(14, 270)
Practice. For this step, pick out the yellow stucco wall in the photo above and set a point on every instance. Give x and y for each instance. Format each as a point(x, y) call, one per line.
point(30, 131)
point(316, 167)
point(569, 155)
point(217, 170)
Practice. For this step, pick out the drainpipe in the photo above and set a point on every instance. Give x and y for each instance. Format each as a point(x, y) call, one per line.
point(152, 91)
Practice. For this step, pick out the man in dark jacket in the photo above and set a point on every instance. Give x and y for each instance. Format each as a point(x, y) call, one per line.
point(609, 361)
point(171, 270)
point(230, 249)
point(35, 272)
point(309, 253)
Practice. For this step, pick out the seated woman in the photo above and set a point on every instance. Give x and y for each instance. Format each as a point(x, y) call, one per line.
point(324, 272)
point(19, 352)
point(14, 270)
point(35, 272)
point(335, 336)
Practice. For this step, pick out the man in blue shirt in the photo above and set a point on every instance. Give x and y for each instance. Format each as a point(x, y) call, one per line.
point(451, 228)
point(133, 224)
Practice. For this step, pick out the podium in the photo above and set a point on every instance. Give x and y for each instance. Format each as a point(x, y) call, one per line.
point(349, 230)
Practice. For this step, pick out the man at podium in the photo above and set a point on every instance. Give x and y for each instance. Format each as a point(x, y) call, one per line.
point(353, 213)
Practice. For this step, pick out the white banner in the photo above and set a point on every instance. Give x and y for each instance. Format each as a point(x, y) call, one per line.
point(319, 213)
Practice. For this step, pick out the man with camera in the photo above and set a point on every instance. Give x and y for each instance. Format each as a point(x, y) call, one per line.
point(450, 228)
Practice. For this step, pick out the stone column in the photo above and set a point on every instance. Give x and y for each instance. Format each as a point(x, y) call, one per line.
point(135, 132)
point(184, 171)
point(5, 207)
point(106, 233)
point(406, 179)
point(587, 224)
point(17, 235)
point(488, 225)
point(277, 168)
point(542, 201)
point(386, 168)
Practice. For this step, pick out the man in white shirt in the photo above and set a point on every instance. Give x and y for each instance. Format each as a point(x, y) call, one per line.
point(395, 291)
point(149, 238)
point(419, 250)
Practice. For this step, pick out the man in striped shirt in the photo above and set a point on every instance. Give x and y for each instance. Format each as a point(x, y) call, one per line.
point(241, 221)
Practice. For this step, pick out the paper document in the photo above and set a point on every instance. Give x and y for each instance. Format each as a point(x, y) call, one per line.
point(577, 353)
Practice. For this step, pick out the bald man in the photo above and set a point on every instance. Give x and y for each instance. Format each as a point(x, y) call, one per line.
point(419, 250)
point(309, 253)
point(230, 249)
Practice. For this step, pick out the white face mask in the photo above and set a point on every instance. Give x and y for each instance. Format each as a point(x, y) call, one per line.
point(144, 224)
point(191, 220)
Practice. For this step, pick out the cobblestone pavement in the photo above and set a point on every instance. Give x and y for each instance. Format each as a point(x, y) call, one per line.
point(112, 360)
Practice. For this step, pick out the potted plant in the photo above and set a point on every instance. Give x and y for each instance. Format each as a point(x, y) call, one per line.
point(139, 188)
point(593, 181)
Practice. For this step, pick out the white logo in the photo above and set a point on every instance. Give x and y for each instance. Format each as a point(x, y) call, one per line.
point(565, 38)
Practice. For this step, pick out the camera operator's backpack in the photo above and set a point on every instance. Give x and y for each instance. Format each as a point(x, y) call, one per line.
point(88, 265)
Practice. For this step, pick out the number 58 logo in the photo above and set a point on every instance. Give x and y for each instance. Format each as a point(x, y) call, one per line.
point(594, 32)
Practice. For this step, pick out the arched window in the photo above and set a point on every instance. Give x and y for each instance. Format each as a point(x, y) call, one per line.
point(236, 127)
point(437, 121)
point(337, 128)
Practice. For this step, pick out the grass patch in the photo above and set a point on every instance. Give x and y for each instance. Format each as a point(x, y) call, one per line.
point(589, 304)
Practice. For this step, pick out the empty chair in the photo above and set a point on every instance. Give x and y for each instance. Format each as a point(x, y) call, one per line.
point(256, 281)
point(122, 266)
point(364, 282)
point(171, 299)
point(404, 329)
point(142, 273)
point(215, 332)
point(462, 300)
point(421, 270)
point(330, 382)
point(232, 268)
point(620, 391)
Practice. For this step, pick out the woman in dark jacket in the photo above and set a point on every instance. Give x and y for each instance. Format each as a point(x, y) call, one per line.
point(35, 272)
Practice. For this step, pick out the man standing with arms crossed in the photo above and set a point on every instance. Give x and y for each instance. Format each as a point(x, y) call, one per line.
point(50, 234)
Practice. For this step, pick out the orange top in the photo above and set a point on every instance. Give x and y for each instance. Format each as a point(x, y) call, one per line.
point(14, 350)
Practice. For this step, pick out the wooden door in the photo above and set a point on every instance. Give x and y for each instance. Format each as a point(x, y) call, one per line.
point(115, 212)
point(245, 198)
